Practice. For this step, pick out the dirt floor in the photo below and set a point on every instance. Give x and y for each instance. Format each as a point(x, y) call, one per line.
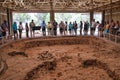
point(61, 58)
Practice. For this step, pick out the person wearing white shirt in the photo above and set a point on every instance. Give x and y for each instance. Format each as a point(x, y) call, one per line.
point(20, 29)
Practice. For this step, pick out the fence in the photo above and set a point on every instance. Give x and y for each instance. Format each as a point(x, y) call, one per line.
point(111, 37)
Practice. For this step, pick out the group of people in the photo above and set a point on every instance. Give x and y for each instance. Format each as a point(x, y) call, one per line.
point(31, 28)
point(65, 28)
point(20, 29)
point(51, 28)
point(105, 27)
point(72, 27)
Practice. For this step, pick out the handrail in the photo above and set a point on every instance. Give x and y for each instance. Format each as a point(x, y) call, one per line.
point(112, 37)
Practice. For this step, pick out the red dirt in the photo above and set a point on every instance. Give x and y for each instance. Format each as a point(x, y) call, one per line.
point(76, 58)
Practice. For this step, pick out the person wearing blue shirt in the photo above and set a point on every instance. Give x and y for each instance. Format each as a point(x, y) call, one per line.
point(14, 26)
point(70, 27)
point(43, 26)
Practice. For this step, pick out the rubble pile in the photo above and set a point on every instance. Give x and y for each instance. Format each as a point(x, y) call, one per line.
point(65, 58)
point(45, 55)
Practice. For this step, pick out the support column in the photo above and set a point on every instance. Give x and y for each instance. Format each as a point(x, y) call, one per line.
point(52, 16)
point(91, 12)
point(11, 22)
point(103, 16)
point(91, 15)
point(9, 14)
point(8, 20)
point(110, 9)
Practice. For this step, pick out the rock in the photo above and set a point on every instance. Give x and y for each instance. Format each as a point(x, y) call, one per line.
point(88, 63)
point(45, 56)
point(50, 65)
point(66, 58)
point(14, 53)
point(59, 74)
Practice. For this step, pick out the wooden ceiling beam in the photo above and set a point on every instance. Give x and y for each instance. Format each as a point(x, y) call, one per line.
point(63, 5)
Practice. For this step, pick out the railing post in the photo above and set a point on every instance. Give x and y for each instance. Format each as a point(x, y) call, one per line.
point(115, 38)
point(109, 35)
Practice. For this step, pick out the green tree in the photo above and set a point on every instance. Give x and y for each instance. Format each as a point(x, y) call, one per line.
point(41, 16)
point(23, 17)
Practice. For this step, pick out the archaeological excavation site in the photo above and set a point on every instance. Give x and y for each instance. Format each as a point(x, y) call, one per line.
point(59, 39)
point(60, 58)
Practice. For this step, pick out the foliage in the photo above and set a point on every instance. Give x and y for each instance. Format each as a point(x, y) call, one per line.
point(21, 17)
point(39, 17)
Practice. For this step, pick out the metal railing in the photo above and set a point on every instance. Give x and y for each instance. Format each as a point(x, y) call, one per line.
point(112, 37)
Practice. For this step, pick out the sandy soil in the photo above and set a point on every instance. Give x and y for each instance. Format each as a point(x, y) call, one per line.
point(62, 58)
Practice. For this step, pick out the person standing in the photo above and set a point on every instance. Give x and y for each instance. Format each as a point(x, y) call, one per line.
point(65, 28)
point(106, 28)
point(61, 27)
point(116, 28)
point(14, 26)
point(101, 28)
point(70, 28)
point(0, 32)
point(112, 25)
point(43, 25)
point(49, 28)
point(93, 27)
point(27, 30)
point(55, 27)
point(32, 25)
point(4, 29)
point(81, 26)
point(75, 27)
point(86, 27)
point(20, 29)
